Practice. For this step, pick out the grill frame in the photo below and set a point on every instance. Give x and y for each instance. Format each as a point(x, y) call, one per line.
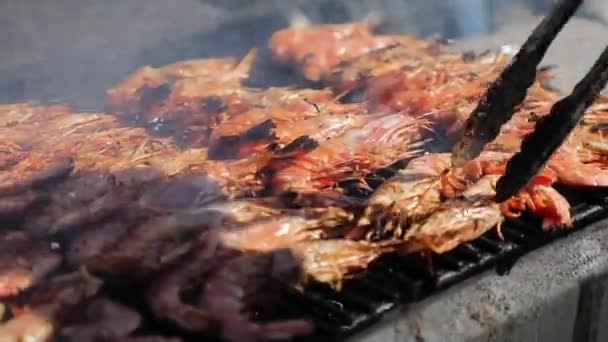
point(365, 299)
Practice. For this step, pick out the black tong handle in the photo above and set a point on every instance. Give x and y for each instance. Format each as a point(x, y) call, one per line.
point(552, 130)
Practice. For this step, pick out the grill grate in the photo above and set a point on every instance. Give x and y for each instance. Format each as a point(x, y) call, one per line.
point(397, 279)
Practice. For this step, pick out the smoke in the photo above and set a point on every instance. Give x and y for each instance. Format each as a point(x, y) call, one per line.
point(72, 50)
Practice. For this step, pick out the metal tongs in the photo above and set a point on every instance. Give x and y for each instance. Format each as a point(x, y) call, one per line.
point(509, 90)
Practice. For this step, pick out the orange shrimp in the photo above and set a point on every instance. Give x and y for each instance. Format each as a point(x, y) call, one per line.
point(537, 197)
point(281, 231)
point(20, 113)
point(306, 165)
point(333, 261)
point(337, 46)
point(404, 54)
point(582, 160)
point(460, 221)
point(333, 43)
point(130, 95)
point(412, 194)
point(427, 182)
point(281, 123)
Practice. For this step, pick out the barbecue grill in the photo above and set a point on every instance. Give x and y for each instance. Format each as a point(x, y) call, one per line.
point(532, 286)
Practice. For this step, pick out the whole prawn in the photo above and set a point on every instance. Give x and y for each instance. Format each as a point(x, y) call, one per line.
point(333, 261)
point(282, 231)
point(358, 151)
point(338, 42)
point(424, 186)
point(259, 128)
point(581, 161)
point(180, 79)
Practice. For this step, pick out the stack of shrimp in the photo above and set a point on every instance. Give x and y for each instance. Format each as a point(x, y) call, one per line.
point(205, 193)
point(429, 205)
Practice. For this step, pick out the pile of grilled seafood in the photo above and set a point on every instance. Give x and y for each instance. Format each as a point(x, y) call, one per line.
point(200, 196)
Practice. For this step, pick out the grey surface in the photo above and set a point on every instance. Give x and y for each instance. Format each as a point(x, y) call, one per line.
point(537, 301)
point(574, 51)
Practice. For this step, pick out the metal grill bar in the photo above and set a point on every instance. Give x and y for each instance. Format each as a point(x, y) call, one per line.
point(397, 279)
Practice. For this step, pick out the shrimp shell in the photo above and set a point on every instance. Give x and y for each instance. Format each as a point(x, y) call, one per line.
point(357, 152)
point(333, 261)
point(446, 229)
point(412, 194)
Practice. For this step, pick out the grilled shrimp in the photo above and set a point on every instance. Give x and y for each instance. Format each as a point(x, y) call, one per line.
point(312, 166)
point(582, 160)
point(47, 306)
point(30, 326)
point(24, 262)
point(341, 44)
point(282, 231)
point(418, 190)
point(411, 194)
point(337, 42)
point(43, 133)
point(403, 56)
point(459, 222)
point(333, 261)
point(231, 291)
point(22, 113)
point(132, 94)
point(237, 177)
point(140, 250)
point(537, 197)
point(227, 281)
point(420, 80)
point(422, 187)
point(101, 319)
point(257, 128)
point(275, 104)
point(10, 153)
